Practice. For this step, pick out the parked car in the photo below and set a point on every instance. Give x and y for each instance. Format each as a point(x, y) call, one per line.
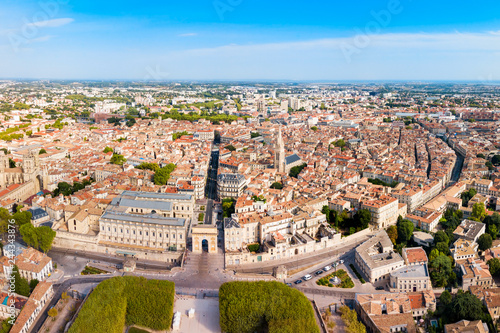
point(335, 264)
point(327, 268)
point(379, 288)
point(298, 282)
point(289, 284)
point(341, 262)
point(307, 277)
point(319, 272)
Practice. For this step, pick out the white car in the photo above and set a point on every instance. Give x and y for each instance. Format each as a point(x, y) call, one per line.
point(307, 277)
point(327, 268)
point(341, 262)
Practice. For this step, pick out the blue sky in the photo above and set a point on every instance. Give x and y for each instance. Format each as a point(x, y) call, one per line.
point(250, 40)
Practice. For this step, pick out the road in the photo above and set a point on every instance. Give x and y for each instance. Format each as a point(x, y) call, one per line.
point(300, 261)
point(56, 254)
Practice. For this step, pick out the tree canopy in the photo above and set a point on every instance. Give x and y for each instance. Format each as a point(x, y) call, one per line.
point(162, 175)
point(127, 300)
point(247, 307)
point(484, 241)
point(118, 159)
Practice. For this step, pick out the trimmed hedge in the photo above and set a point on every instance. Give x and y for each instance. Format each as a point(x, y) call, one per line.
point(127, 300)
point(357, 274)
point(247, 307)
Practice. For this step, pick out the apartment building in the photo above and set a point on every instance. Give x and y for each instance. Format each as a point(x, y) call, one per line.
point(490, 297)
point(42, 294)
point(466, 326)
point(414, 256)
point(395, 312)
point(384, 211)
point(230, 185)
point(464, 249)
point(469, 230)
point(376, 257)
point(32, 264)
point(475, 272)
point(410, 279)
point(412, 197)
point(427, 222)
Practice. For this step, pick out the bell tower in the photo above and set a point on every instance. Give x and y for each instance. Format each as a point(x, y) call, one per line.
point(279, 153)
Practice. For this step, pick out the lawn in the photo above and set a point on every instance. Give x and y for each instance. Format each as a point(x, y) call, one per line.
point(345, 280)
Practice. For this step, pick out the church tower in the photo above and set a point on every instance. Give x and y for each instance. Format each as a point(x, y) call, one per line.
point(279, 153)
point(4, 165)
point(31, 168)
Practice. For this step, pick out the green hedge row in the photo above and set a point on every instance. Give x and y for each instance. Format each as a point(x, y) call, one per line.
point(247, 307)
point(357, 273)
point(127, 300)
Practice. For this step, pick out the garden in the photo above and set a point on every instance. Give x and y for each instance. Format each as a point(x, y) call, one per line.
point(344, 279)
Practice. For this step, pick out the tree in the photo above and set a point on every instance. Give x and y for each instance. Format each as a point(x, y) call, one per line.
point(230, 147)
point(440, 270)
point(314, 128)
point(162, 176)
point(42, 151)
point(33, 284)
point(21, 285)
point(485, 241)
point(107, 150)
point(340, 143)
point(496, 160)
point(228, 207)
point(362, 218)
point(434, 254)
point(478, 212)
point(277, 186)
point(148, 166)
point(467, 195)
point(22, 218)
point(465, 306)
point(405, 231)
point(12, 163)
point(52, 313)
point(294, 172)
point(118, 159)
point(442, 247)
point(445, 298)
point(45, 236)
point(392, 232)
point(441, 236)
point(492, 230)
point(494, 265)
point(326, 210)
point(29, 235)
point(350, 319)
point(493, 219)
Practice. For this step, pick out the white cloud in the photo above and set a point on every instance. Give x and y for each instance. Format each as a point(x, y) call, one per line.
point(52, 23)
point(487, 41)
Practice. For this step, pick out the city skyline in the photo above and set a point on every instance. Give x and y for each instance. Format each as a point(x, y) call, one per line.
point(226, 40)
